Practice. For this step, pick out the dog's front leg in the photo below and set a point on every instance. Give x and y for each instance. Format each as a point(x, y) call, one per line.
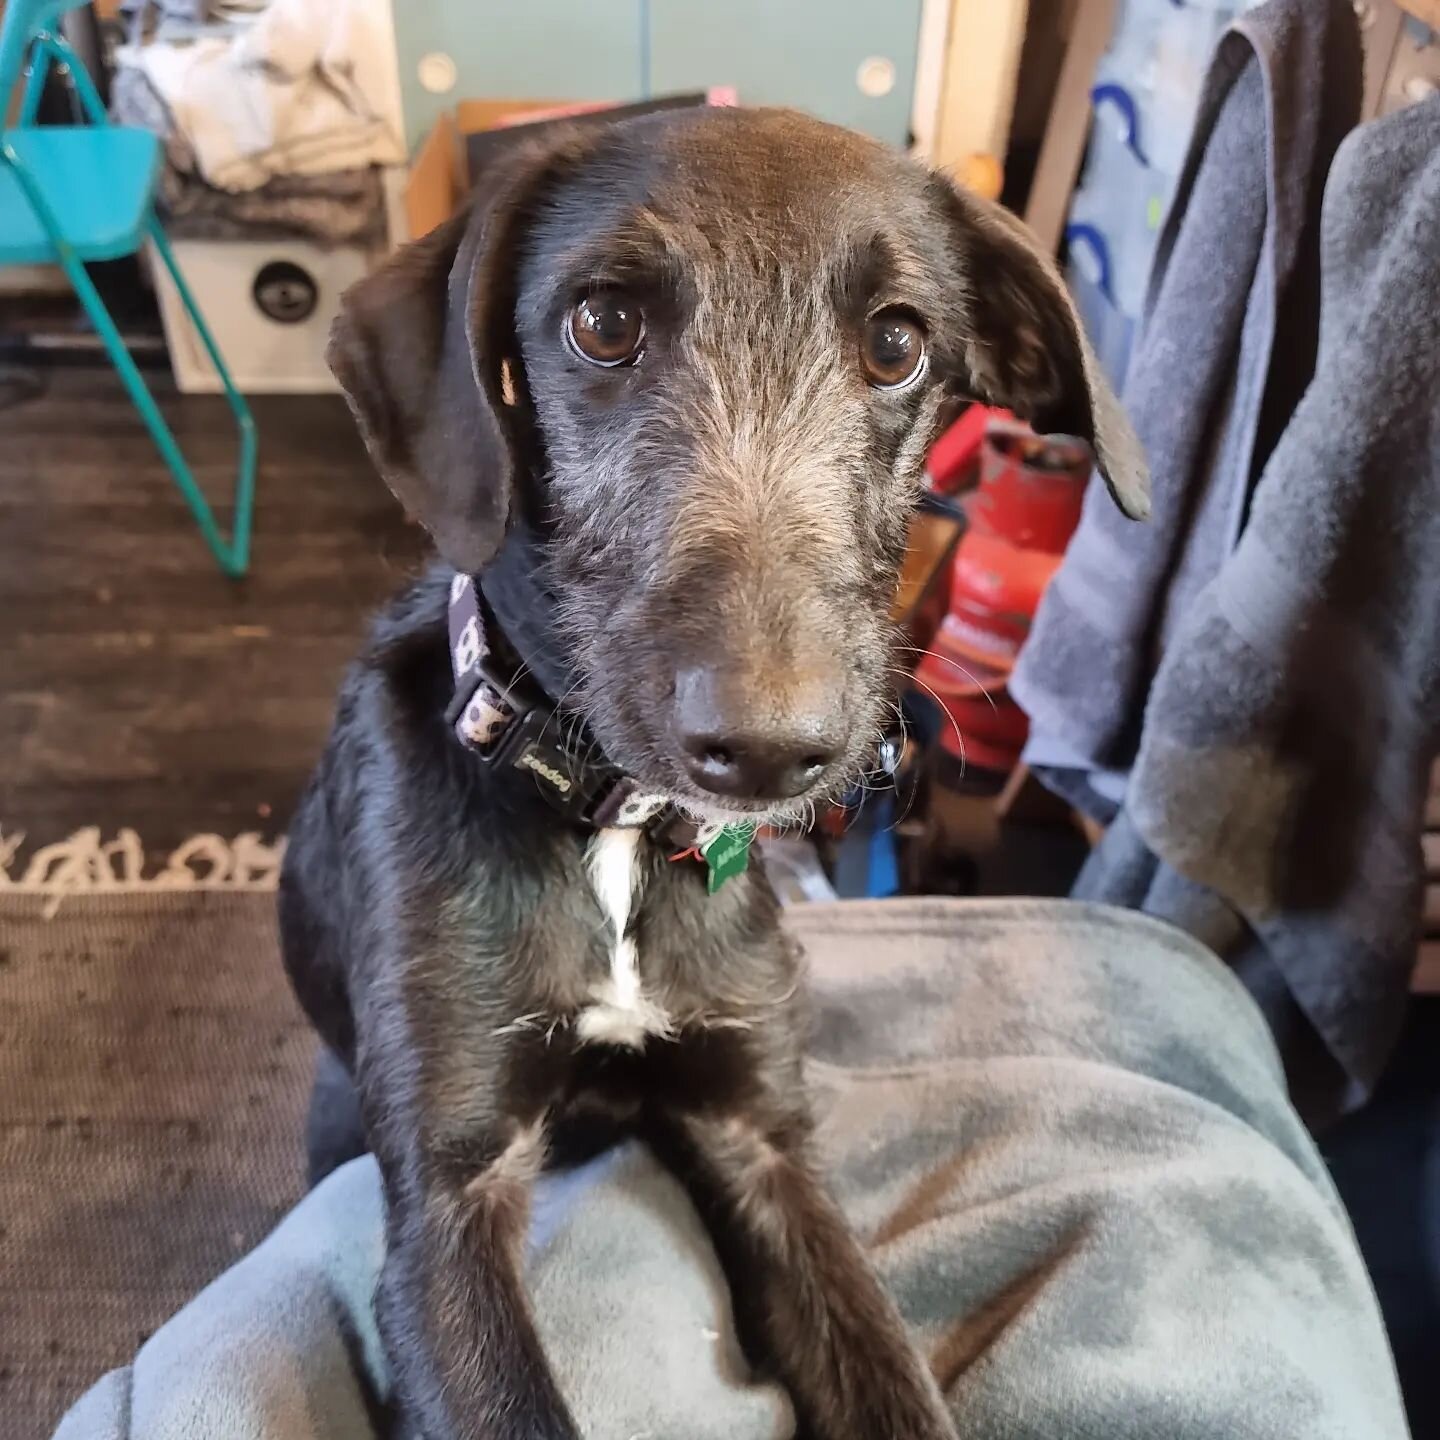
point(452, 1306)
point(801, 1279)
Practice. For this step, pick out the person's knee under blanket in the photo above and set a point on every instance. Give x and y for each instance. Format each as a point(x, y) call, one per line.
point(1063, 1133)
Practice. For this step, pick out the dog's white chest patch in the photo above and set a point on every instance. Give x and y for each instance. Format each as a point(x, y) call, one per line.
point(618, 1012)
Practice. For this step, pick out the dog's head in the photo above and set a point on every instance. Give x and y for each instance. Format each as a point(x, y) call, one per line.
point(704, 354)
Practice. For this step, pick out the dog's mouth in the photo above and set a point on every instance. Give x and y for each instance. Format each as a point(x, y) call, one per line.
point(872, 769)
point(761, 768)
point(665, 776)
point(709, 811)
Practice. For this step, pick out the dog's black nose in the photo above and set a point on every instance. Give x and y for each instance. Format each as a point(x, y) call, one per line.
point(753, 768)
point(751, 756)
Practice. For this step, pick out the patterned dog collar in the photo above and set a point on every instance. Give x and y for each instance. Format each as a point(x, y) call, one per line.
point(511, 722)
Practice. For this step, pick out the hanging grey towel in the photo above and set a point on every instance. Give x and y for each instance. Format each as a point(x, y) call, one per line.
point(1283, 769)
point(1227, 339)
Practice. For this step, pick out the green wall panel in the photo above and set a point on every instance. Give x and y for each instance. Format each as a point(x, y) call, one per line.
point(804, 53)
point(563, 49)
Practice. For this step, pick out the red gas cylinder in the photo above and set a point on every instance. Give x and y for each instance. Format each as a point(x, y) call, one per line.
point(995, 588)
point(1031, 486)
point(1022, 513)
point(951, 464)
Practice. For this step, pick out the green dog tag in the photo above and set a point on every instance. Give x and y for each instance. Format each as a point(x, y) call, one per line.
point(727, 854)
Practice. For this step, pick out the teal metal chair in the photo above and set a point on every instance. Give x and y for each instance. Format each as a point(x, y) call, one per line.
point(72, 194)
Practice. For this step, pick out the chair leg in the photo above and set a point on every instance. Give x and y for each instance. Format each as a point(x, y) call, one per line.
point(233, 555)
point(35, 85)
point(245, 477)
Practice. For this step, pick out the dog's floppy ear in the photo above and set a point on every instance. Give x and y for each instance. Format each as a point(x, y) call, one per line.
point(1025, 348)
point(420, 348)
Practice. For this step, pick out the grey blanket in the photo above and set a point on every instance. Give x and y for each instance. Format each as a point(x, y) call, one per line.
point(1275, 803)
point(1062, 1131)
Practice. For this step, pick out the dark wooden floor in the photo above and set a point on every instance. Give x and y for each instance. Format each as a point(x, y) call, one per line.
point(137, 686)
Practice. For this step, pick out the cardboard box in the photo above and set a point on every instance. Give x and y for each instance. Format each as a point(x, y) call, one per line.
point(465, 140)
point(439, 173)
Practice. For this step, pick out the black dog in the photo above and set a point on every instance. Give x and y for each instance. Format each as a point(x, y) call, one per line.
point(666, 389)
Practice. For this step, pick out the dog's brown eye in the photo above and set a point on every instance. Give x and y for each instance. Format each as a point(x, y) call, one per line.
point(606, 328)
point(892, 349)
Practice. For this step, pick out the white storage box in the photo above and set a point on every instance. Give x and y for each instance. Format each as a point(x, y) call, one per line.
point(268, 304)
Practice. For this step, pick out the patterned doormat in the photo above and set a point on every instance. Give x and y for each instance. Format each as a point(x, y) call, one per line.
point(154, 1072)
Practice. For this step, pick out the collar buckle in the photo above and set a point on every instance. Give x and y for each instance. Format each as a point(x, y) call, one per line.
point(532, 742)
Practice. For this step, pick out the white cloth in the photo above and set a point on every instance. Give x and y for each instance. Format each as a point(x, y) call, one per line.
point(302, 91)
